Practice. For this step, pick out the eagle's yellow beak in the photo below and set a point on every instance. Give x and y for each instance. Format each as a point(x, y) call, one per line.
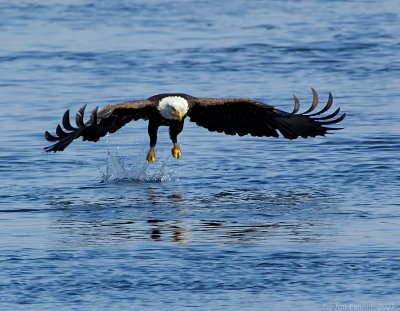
point(178, 113)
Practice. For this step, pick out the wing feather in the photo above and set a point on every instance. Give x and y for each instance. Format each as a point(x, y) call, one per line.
point(108, 120)
point(296, 104)
point(246, 116)
point(66, 123)
point(314, 102)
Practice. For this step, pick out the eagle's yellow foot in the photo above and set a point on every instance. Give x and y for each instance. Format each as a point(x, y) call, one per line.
point(176, 151)
point(151, 155)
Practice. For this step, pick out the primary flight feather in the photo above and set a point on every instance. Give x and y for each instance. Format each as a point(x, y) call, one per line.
point(241, 116)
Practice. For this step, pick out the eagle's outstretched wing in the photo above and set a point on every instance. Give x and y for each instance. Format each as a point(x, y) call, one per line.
point(108, 120)
point(245, 116)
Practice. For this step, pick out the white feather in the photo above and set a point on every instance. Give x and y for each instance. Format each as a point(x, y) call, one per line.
point(170, 104)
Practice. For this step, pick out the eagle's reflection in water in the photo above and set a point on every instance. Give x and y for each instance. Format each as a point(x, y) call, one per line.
point(160, 216)
point(158, 228)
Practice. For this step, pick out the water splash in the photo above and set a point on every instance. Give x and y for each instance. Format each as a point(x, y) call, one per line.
point(134, 168)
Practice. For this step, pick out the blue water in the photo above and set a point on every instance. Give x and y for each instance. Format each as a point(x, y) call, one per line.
point(236, 223)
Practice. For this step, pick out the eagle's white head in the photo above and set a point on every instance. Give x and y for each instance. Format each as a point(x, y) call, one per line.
point(173, 107)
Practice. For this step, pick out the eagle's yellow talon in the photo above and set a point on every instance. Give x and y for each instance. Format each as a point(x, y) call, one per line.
point(151, 155)
point(176, 151)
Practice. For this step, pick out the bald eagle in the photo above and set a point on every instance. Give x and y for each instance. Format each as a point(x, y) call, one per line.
point(242, 116)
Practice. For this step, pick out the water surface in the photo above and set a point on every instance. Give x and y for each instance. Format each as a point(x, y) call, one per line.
point(236, 223)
